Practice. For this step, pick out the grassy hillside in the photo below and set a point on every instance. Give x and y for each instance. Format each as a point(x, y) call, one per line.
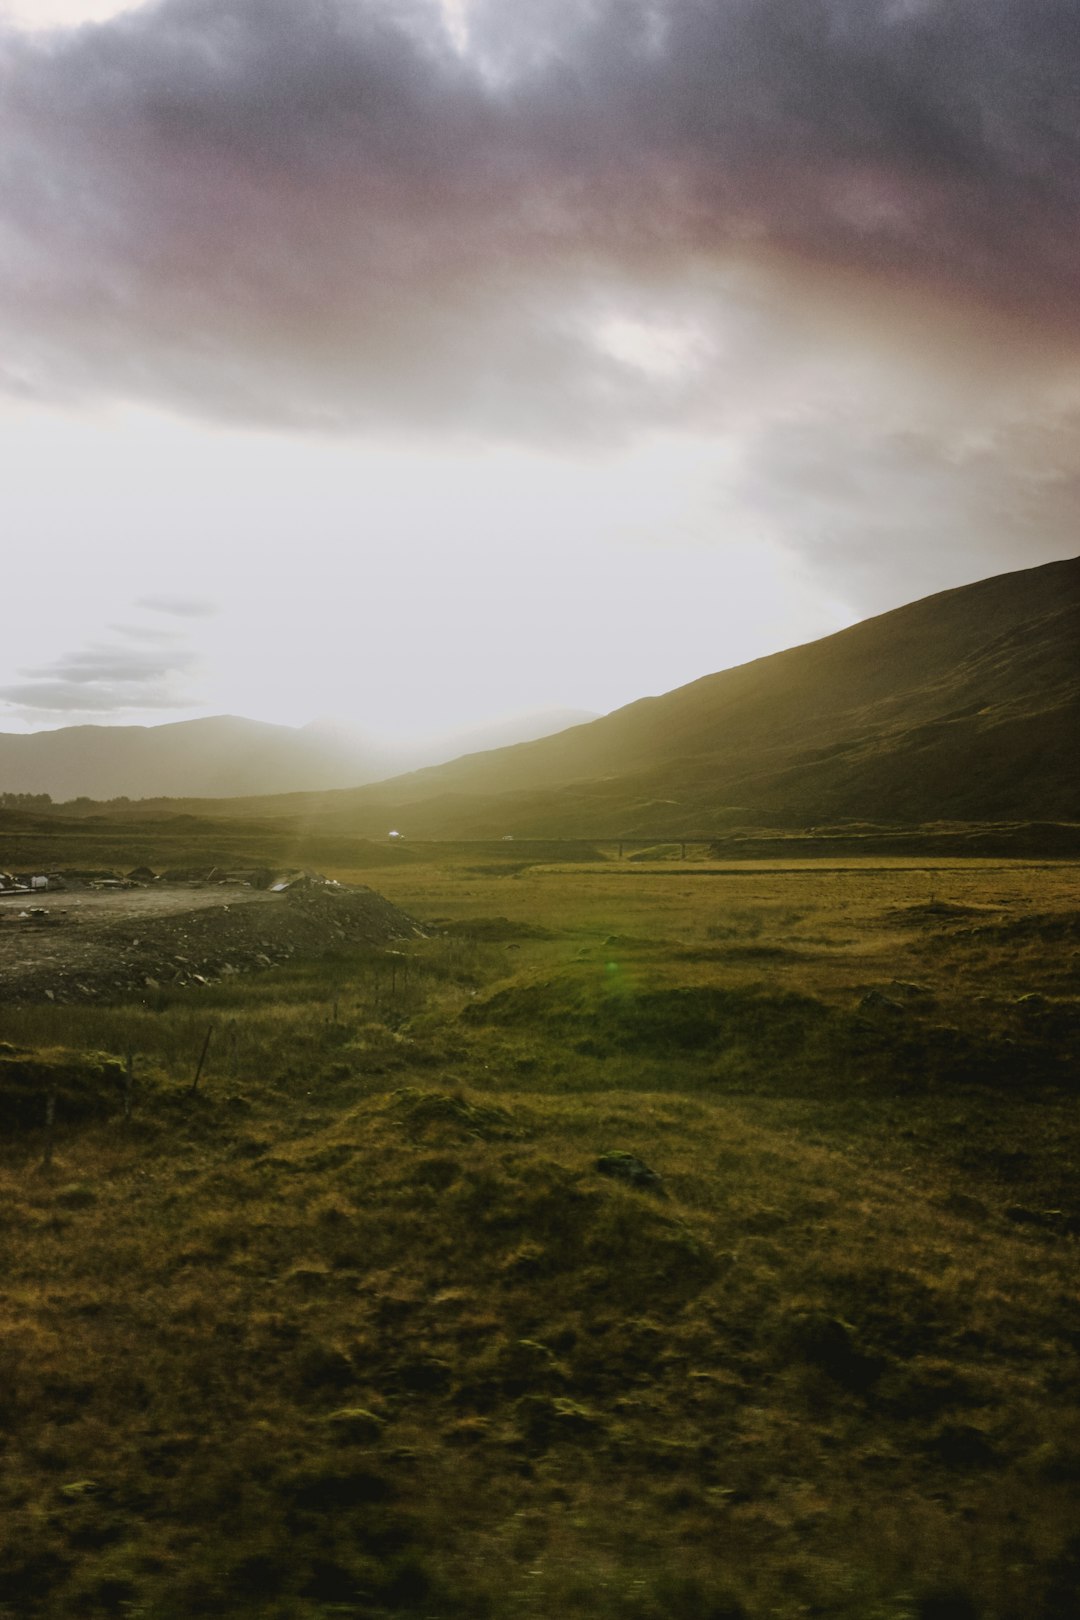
point(964, 706)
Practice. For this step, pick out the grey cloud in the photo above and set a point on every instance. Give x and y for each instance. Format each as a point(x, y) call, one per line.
point(104, 680)
point(35, 699)
point(884, 514)
point(103, 664)
point(318, 213)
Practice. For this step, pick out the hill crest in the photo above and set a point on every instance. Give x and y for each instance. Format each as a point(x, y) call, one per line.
point(963, 705)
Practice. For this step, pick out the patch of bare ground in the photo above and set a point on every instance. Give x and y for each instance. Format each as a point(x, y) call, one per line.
point(94, 946)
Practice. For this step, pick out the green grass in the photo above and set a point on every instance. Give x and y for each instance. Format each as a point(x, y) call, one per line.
point(361, 1329)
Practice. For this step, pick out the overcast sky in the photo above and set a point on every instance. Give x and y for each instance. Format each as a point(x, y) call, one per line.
point(424, 364)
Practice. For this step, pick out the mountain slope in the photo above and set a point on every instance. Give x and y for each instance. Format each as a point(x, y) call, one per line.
point(965, 705)
point(224, 756)
point(220, 755)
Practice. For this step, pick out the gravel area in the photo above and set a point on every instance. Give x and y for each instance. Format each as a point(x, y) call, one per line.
point(88, 945)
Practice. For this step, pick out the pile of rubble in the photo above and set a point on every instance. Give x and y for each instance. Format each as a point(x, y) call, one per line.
point(133, 951)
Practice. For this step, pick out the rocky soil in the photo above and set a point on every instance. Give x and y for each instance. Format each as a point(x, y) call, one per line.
point(95, 946)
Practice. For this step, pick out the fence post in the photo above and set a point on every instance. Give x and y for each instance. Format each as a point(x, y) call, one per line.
point(50, 1122)
point(129, 1078)
point(202, 1059)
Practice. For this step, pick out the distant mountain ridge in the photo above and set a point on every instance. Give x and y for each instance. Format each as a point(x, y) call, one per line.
point(224, 756)
point(964, 705)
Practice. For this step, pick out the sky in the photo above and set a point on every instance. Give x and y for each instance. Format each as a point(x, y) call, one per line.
point(422, 364)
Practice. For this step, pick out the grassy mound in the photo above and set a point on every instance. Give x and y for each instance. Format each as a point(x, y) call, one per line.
point(679, 1018)
point(83, 1085)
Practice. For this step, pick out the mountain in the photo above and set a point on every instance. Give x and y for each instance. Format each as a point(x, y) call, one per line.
point(224, 756)
point(962, 706)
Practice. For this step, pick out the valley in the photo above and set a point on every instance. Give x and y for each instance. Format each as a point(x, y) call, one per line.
point(628, 1174)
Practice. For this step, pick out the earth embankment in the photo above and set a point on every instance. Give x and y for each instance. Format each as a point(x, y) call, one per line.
point(91, 946)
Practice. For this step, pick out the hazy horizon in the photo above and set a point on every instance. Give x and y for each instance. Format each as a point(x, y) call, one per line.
point(341, 727)
point(428, 365)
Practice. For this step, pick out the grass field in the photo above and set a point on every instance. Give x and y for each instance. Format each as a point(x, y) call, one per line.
point(662, 1240)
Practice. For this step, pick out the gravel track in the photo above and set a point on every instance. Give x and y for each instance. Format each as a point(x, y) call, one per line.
point(97, 946)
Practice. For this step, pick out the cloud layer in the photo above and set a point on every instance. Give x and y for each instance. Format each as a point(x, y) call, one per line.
point(325, 214)
point(139, 668)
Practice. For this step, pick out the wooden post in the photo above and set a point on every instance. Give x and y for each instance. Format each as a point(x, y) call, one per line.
point(333, 1018)
point(50, 1121)
point(129, 1077)
point(202, 1059)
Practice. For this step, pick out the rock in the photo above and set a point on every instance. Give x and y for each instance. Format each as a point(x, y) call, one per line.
point(77, 1196)
point(875, 1001)
point(355, 1425)
point(325, 1367)
point(1050, 1220)
point(961, 1446)
point(959, 1203)
point(628, 1167)
point(546, 1420)
point(830, 1344)
point(425, 1375)
point(764, 1222)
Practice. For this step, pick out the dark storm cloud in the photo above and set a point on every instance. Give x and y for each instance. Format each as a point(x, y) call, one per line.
point(102, 680)
point(318, 212)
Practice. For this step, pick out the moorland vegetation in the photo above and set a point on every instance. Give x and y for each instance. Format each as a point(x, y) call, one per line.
point(665, 1239)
